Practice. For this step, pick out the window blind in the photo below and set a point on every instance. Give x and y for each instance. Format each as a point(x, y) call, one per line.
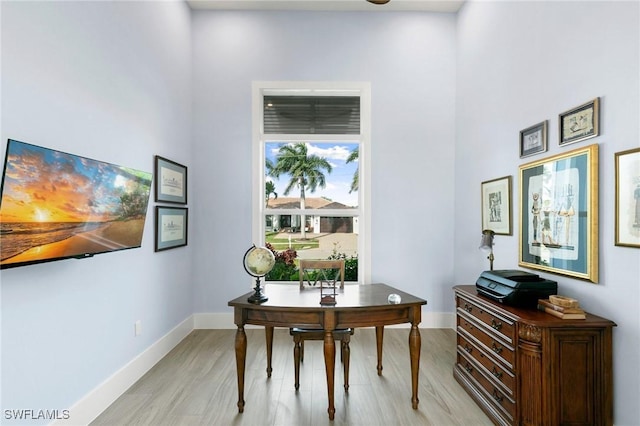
point(304, 115)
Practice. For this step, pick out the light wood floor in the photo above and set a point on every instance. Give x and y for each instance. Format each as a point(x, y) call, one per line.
point(195, 384)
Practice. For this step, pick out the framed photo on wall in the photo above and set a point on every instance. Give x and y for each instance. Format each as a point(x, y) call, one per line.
point(172, 225)
point(533, 140)
point(496, 205)
point(171, 181)
point(580, 123)
point(559, 214)
point(628, 198)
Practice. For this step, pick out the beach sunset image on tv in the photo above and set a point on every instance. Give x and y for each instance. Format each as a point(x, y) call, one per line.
point(56, 205)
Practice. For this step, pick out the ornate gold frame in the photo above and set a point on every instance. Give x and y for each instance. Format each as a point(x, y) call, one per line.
point(559, 214)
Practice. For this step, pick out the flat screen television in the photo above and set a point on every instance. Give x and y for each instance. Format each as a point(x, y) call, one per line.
point(58, 206)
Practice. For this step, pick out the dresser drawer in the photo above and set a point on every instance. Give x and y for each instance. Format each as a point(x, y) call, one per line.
point(492, 393)
point(503, 326)
point(504, 377)
point(525, 367)
point(491, 344)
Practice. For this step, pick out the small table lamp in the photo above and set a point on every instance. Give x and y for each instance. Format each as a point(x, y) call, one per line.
point(487, 244)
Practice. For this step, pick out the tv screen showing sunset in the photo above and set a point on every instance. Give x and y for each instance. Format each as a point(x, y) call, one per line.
point(56, 205)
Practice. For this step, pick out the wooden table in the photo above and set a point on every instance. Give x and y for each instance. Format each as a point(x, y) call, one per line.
point(357, 306)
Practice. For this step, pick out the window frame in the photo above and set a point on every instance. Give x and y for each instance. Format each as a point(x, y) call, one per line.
point(361, 89)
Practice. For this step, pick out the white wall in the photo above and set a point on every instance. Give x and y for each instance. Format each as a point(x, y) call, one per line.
point(409, 58)
point(520, 63)
point(110, 81)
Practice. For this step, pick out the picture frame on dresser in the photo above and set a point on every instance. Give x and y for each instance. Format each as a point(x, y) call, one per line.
point(496, 205)
point(559, 214)
point(580, 123)
point(533, 140)
point(627, 169)
point(172, 226)
point(171, 181)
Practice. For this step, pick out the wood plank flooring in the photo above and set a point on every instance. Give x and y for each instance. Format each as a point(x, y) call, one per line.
point(195, 384)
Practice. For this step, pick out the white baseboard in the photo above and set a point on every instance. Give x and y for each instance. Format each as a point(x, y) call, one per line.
point(99, 399)
point(95, 402)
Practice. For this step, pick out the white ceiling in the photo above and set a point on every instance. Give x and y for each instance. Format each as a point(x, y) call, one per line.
point(451, 6)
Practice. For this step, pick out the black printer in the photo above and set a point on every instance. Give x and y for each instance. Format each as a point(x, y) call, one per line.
point(514, 287)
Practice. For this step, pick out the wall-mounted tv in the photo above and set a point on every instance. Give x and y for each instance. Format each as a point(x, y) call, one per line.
point(58, 206)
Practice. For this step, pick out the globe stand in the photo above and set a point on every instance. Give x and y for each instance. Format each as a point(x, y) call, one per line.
point(258, 296)
point(258, 262)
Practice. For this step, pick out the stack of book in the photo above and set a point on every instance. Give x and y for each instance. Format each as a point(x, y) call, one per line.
point(572, 311)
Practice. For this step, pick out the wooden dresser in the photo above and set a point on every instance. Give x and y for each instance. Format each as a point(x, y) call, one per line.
point(526, 367)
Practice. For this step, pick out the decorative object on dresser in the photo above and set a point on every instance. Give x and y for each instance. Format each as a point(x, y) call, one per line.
point(562, 307)
point(524, 367)
point(486, 244)
point(628, 198)
point(559, 214)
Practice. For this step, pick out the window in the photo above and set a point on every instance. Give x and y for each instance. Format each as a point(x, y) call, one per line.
point(311, 175)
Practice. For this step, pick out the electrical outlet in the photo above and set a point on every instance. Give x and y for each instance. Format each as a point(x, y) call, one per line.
point(137, 328)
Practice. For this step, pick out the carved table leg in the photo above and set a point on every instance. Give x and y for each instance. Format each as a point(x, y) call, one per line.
point(296, 360)
point(330, 365)
point(346, 358)
point(379, 339)
point(268, 334)
point(414, 353)
point(241, 356)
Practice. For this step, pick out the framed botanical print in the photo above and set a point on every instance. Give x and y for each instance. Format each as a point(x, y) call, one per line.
point(559, 214)
point(496, 205)
point(628, 198)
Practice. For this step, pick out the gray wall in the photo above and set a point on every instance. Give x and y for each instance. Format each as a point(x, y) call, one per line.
point(409, 58)
point(525, 62)
point(109, 81)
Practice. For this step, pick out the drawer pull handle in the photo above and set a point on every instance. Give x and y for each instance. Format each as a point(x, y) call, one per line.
point(468, 349)
point(468, 368)
point(468, 308)
point(497, 349)
point(496, 395)
point(496, 373)
point(496, 325)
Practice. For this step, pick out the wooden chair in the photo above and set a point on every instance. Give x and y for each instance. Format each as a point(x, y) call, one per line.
point(313, 275)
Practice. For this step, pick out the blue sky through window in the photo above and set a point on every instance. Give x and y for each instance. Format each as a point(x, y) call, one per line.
point(338, 182)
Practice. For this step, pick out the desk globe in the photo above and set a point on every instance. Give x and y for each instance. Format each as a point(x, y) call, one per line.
point(258, 262)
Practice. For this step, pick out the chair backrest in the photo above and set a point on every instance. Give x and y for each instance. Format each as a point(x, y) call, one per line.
point(315, 272)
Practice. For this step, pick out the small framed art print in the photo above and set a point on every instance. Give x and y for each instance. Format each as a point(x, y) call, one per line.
point(171, 227)
point(533, 140)
point(171, 181)
point(496, 205)
point(628, 198)
point(580, 123)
